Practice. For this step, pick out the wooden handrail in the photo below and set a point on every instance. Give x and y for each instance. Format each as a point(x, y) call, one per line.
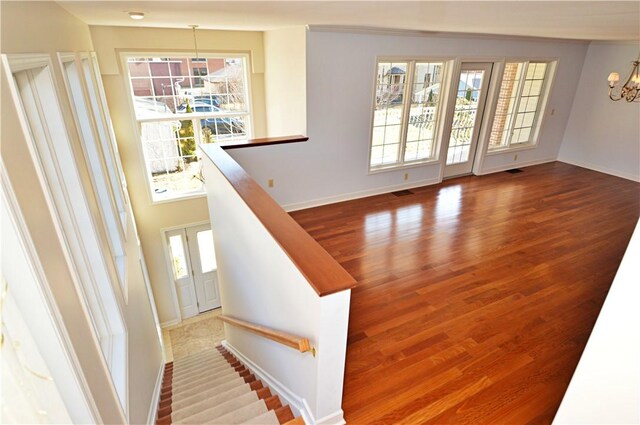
point(293, 341)
point(265, 141)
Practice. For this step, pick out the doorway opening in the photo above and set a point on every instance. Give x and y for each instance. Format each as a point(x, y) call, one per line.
point(191, 257)
point(472, 86)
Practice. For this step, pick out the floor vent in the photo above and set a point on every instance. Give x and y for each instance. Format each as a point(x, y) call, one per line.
point(514, 171)
point(402, 192)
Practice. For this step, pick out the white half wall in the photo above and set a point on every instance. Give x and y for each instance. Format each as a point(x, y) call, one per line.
point(340, 83)
point(605, 388)
point(601, 134)
point(259, 283)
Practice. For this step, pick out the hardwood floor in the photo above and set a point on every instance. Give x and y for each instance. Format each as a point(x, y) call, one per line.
point(475, 297)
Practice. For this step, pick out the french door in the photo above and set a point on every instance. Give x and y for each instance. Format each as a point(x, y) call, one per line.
point(193, 262)
point(473, 82)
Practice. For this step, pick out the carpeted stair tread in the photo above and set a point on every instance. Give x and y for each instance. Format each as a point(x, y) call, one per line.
point(186, 362)
point(219, 393)
point(198, 355)
point(204, 377)
point(213, 387)
point(211, 380)
point(180, 378)
point(203, 386)
point(214, 411)
point(267, 418)
point(209, 361)
point(241, 415)
point(205, 403)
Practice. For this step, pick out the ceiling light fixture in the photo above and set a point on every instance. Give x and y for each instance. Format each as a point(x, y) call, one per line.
point(136, 15)
point(630, 91)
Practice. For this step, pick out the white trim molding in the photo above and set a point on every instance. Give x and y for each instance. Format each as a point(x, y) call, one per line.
point(506, 167)
point(357, 195)
point(155, 398)
point(298, 404)
point(601, 169)
point(73, 386)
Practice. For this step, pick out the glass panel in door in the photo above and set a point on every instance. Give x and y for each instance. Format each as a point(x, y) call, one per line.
point(471, 91)
point(178, 259)
point(464, 116)
point(207, 251)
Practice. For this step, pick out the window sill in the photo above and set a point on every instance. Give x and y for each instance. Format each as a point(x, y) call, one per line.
point(179, 198)
point(394, 167)
point(522, 147)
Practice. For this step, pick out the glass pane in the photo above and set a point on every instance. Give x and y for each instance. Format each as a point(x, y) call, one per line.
point(172, 158)
point(208, 85)
point(390, 154)
point(178, 259)
point(464, 117)
point(223, 129)
point(423, 114)
point(206, 251)
point(389, 109)
point(506, 103)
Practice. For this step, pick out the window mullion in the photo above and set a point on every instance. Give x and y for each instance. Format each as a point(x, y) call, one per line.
point(406, 110)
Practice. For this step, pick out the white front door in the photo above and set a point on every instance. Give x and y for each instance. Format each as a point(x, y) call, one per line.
point(203, 264)
point(471, 89)
point(182, 277)
point(193, 264)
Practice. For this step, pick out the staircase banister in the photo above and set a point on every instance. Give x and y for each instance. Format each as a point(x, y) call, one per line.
point(297, 342)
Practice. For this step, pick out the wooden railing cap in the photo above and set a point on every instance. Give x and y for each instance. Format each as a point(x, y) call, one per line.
point(320, 269)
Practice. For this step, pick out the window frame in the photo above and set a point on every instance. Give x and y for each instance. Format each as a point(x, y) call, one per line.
point(113, 154)
point(50, 145)
point(539, 118)
point(194, 116)
point(404, 123)
point(108, 208)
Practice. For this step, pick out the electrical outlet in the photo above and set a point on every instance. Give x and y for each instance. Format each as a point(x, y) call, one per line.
point(406, 176)
point(515, 157)
point(270, 182)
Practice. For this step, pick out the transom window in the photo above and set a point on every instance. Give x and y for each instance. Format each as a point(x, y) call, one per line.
point(181, 102)
point(406, 113)
point(520, 101)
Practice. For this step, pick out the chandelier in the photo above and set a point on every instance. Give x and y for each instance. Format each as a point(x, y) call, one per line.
point(630, 91)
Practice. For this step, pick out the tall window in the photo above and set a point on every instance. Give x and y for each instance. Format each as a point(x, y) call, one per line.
point(406, 113)
point(37, 101)
point(520, 102)
point(180, 102)
point(94, 141)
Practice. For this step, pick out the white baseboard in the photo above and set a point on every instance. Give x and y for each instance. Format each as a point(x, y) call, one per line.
point(601, 169)
point(506, 167)
point(357, 195)
point(155, 400)
point(298, 404)
point(170, 323)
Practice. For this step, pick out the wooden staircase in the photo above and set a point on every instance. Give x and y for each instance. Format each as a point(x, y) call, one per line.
point(213, 387)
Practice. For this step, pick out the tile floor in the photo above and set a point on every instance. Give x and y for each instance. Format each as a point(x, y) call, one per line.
point(193, 335)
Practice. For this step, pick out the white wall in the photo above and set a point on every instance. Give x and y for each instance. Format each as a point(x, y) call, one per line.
point(259, 283)
point(109, 42)
point(605, 388)
point(285, 81)
point(601, 134)
point(340, 80)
